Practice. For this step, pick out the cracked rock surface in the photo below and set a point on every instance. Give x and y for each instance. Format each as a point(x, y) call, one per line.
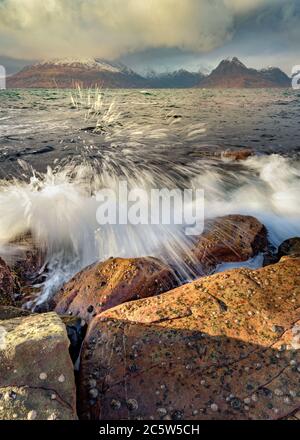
point(36, 371)
point(222, 347)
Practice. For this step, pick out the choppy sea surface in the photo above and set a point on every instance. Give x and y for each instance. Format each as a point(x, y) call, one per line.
point(58, 148)
point(43, 127)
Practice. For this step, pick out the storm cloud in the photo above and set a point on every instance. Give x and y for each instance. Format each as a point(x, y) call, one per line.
point(111, 28)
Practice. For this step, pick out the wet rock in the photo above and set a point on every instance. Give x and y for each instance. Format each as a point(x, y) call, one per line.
point(241, 154)
point(29, 262)
point(289, 247)
point(33, 355)
point(270, 258)
point(29, 294)
point(229, 239)
point(8, 312)
point(111, 283)
point(195, 359)
point(43, 150)
point(9, 286)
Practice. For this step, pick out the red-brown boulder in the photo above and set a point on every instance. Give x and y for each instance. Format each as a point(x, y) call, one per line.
point(222, 347)
point(229, 239)
point(106, 285)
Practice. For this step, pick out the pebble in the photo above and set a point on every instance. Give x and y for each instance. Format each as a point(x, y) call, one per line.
point(92, 383)
point(115, 404)
point(52, 417)
point(236, 403)
point(32, 415)
point(61, 378)
point(93, 393)
point(277, 329)
point(278, 392)
point(132, 404)
point(177, 415)
point(10, 395)
point(43, 376)
point(162, 412)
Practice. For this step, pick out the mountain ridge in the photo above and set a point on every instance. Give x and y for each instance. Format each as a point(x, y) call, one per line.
point(92, 72)
point(67, 73)
point(232, 73)
point(180, 78)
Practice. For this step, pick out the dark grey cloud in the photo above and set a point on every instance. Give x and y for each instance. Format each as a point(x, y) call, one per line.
point(151, 34)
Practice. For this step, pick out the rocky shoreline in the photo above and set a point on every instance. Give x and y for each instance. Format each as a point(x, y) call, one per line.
point(128, 339)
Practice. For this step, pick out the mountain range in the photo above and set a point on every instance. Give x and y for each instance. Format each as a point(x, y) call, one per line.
point(234, 74)
point(68, 73)
point(230, 73)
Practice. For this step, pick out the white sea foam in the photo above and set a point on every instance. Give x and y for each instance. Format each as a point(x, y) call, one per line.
point(269, 190)
point(59, 210)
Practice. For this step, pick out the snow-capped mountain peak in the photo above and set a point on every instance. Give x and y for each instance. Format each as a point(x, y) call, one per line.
point(86, 63)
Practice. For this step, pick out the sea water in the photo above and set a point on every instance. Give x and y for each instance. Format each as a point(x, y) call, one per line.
point(59, 148)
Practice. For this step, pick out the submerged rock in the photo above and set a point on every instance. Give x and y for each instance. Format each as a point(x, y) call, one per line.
point(290, 247)
point(111, 283)
point(222, 347)
point(241, 154)
point(229, 239)
point(34, 357)
point(9, 287)
point(29, 262)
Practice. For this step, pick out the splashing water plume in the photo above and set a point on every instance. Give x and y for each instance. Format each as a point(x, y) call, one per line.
point(97, 110)
point(58, 208)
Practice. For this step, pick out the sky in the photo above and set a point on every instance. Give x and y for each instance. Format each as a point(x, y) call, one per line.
point(160, 35)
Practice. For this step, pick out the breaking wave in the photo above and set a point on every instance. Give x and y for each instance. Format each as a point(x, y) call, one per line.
point(59, 210)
